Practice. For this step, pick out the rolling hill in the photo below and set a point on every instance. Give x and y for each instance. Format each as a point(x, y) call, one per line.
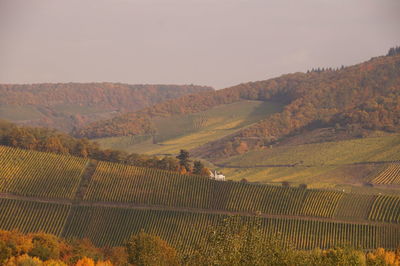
point(65, 106)
point(329, 105)
point(188, 131)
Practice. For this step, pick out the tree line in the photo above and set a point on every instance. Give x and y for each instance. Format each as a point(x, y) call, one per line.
point(50, 140)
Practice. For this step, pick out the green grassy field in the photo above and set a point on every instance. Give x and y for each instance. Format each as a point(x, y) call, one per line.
point(320, 165)
point(326, 153)
point(192, 130)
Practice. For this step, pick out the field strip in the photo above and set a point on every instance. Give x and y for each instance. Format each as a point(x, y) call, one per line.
point(301, 165)
point(191, 210)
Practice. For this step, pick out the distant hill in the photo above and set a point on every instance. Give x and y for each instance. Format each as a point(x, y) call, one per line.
point(351, 102)
point(65, 106)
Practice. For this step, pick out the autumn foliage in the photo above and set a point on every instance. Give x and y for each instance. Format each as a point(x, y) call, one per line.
point(356, 99)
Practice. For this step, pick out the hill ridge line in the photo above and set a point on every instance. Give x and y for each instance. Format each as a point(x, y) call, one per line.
point(183, 209)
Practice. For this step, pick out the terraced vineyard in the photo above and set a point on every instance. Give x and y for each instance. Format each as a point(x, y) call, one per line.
point(98, 222)
point(386, 209)
point(129, 184)
point(389, 176)
point(121, 200)
point(107, 226)
point(32, 173)
point(29, 216)
point(347, 211)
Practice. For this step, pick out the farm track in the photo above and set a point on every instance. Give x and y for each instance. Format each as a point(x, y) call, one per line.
point(85, 180)
point(182, 209)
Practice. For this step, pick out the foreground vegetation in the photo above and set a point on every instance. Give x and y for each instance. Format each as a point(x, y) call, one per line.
point(229, 242)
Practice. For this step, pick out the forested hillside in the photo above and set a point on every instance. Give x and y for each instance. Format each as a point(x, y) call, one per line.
point(68, 105)
point(354, 101)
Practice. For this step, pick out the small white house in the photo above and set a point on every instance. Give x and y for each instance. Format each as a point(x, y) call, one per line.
point(217, 176)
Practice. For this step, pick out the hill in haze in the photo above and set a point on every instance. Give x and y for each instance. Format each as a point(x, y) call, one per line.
point(317, 106)
point(65, 106)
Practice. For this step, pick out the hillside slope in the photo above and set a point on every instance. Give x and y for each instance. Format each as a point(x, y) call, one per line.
point(348, 164)
point(188, 131)
point(107, 202)
point(354, 101)
point(68, 105)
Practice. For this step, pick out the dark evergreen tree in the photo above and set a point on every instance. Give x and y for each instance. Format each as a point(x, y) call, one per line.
point(184, 160)
point(198, 167)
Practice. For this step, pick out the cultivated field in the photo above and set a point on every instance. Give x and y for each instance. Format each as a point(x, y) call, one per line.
point(192, 130)
point(119, 200)
point(32, 173)
point(320, 165)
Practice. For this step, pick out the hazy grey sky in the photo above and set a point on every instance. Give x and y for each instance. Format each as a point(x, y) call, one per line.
point(209, 42)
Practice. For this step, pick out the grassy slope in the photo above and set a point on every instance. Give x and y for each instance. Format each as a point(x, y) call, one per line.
point(190, 131)
point(319, 165)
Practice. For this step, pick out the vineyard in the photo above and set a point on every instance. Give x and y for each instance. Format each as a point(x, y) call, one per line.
point(347, 211)
point(317, 164)
point(187, 131)
point(386, 209)
point(32, 173)
point(111, 226)
point(27, 216)
point(389, 176)
point(116, 200)
point(129, 184)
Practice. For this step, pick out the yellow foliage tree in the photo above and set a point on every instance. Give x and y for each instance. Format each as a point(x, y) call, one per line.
point(23, 260)
point(382, 257)
point(85, 262)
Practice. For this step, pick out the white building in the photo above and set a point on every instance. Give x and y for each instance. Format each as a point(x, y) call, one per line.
point(217, 176)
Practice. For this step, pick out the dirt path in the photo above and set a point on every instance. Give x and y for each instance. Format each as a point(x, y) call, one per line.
point(85, 180)
point(183, 209)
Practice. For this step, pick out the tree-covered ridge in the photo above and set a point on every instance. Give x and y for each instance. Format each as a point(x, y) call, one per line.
point(355, 100)
point(68, 105)
point(352, 99)
point(124, 97)
point(394, 51)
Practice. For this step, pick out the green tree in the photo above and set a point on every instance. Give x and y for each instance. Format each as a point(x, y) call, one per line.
point(144, 249)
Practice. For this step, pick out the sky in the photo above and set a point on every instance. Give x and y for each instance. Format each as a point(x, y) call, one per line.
point(219, 43)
